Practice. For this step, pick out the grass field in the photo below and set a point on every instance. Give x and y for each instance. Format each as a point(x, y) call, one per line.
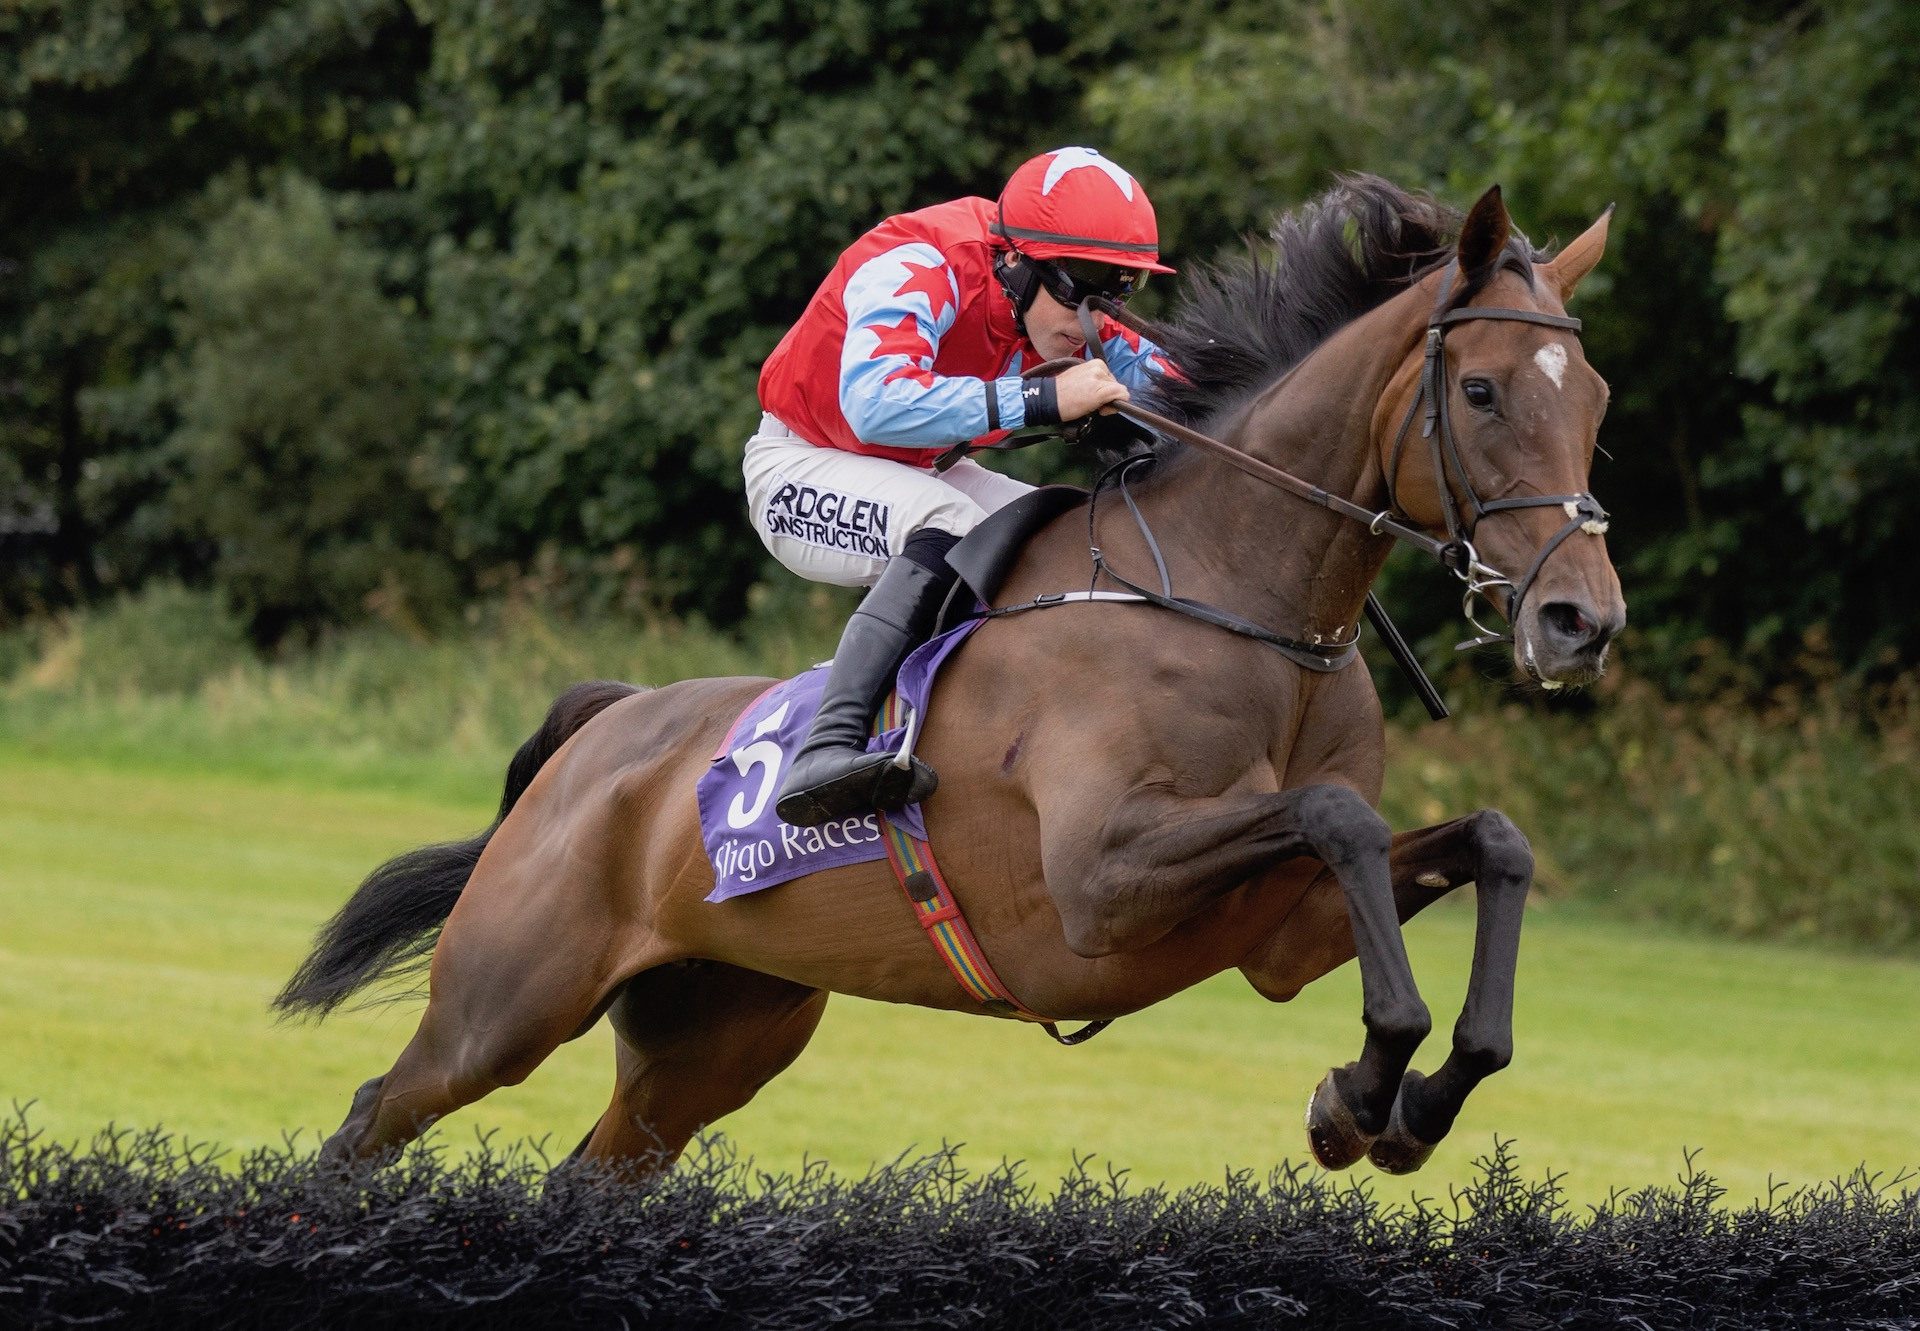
point(150, 914)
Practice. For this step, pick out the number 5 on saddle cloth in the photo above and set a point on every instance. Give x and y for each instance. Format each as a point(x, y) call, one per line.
point(751, 849)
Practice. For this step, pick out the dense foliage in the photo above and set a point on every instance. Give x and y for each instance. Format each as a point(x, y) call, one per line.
point(127, 133)
point(143, 1230)
point(1758, 312)
point(360, 308)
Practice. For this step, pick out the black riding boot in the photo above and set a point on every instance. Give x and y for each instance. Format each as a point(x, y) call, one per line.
point(833, 776)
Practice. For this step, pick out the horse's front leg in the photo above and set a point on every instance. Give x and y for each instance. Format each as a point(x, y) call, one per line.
point(1161, 857)
point(1483, 848)
point(1488, 850)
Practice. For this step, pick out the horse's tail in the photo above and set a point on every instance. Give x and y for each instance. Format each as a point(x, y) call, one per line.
point(389, 926)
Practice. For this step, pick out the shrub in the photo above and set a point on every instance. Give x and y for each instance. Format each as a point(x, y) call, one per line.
point(164, 640)
point(143, 1228)
point(1799, 819)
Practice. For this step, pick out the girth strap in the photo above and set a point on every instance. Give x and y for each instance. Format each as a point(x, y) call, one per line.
point(945, 924)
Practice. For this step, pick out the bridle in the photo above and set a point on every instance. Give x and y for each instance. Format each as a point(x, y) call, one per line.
point(1457, 553)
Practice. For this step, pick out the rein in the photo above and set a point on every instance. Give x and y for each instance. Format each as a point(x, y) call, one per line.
point(1456, 553)
point(1314, 655)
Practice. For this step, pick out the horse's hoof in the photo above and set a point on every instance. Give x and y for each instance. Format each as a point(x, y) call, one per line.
point(1336, 1139)
point(336, 1155)
point(1397, 1150)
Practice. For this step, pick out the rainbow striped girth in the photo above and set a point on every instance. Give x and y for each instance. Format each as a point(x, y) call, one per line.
point(939, 915)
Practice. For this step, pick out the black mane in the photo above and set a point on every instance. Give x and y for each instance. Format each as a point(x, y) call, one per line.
point(1242, 323)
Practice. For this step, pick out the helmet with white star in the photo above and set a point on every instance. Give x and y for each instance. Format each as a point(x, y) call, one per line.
point(1073, 203)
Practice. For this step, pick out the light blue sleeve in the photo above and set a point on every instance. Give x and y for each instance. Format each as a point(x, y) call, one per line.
point(899, 305)
point(1131, 356)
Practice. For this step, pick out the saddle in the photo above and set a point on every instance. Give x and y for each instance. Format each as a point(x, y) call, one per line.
point(751, 850)
point(985, 555)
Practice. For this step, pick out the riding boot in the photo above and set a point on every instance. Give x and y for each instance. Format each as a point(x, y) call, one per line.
point(833, 776)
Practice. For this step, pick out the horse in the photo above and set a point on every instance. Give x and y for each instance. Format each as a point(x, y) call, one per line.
point(1131, 800)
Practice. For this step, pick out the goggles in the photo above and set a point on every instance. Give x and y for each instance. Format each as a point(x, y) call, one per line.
point(1071, 281)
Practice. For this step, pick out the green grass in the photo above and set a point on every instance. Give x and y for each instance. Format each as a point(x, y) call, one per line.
point(372, 710)
point(1796, 818)
point(147, 914)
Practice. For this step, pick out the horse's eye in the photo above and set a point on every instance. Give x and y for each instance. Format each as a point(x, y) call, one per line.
point(1479, 393)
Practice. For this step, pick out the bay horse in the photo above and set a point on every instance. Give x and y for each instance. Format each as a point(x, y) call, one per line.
point(1131, 800)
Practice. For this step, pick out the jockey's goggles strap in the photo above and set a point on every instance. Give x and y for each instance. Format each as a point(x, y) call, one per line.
point(1020, 281)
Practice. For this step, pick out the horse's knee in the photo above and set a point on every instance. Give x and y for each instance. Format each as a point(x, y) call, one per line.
point(1503, 847)
point(1342, 826)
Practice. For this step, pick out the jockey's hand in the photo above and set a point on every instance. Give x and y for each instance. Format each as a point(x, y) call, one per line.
point(1087, 387)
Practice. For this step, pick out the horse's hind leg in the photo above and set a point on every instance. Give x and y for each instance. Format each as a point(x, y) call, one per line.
point(447, 1065)
point(527, 962)
point(1486, 849)
point(696, 1040)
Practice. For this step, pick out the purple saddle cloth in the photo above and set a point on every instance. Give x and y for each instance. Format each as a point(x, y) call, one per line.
point(749, 846)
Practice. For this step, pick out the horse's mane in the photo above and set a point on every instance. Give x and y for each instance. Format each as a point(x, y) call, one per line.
point(1242, 323)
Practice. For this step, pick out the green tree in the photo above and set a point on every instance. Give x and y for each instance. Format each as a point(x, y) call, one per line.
point(1756, 312)
point(114, 118)
point(301, 421)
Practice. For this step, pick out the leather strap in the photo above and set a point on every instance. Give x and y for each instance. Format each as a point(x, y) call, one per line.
point(1457, 552)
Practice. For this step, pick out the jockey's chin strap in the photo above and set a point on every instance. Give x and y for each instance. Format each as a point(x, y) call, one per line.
point(1456, 553)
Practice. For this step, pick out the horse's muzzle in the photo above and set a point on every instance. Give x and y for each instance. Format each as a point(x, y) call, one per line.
point(1567, 641)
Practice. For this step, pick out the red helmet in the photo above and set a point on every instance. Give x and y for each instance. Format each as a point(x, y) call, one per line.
point(1072, 203)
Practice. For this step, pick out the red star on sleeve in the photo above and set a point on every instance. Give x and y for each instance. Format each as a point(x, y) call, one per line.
point(931, 281)
point(901, 339)
point(1109, 330)
point(920, 376)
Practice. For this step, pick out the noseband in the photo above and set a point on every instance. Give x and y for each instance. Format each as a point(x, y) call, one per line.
point(1458, 554)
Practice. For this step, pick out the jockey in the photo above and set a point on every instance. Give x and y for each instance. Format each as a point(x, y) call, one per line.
point(916, 342)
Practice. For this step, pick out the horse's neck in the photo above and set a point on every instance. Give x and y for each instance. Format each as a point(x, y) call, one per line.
point(1271, 556)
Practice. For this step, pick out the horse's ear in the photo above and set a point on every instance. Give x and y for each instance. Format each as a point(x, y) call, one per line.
point(1578, 258)
point(1484, 234)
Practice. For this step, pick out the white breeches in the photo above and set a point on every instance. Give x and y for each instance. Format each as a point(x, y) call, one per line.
point(834, 516)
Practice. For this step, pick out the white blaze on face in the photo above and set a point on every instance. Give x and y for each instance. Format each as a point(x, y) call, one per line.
point(1552, 360)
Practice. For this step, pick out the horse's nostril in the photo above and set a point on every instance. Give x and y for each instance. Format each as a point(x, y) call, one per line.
point(1572, 624)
